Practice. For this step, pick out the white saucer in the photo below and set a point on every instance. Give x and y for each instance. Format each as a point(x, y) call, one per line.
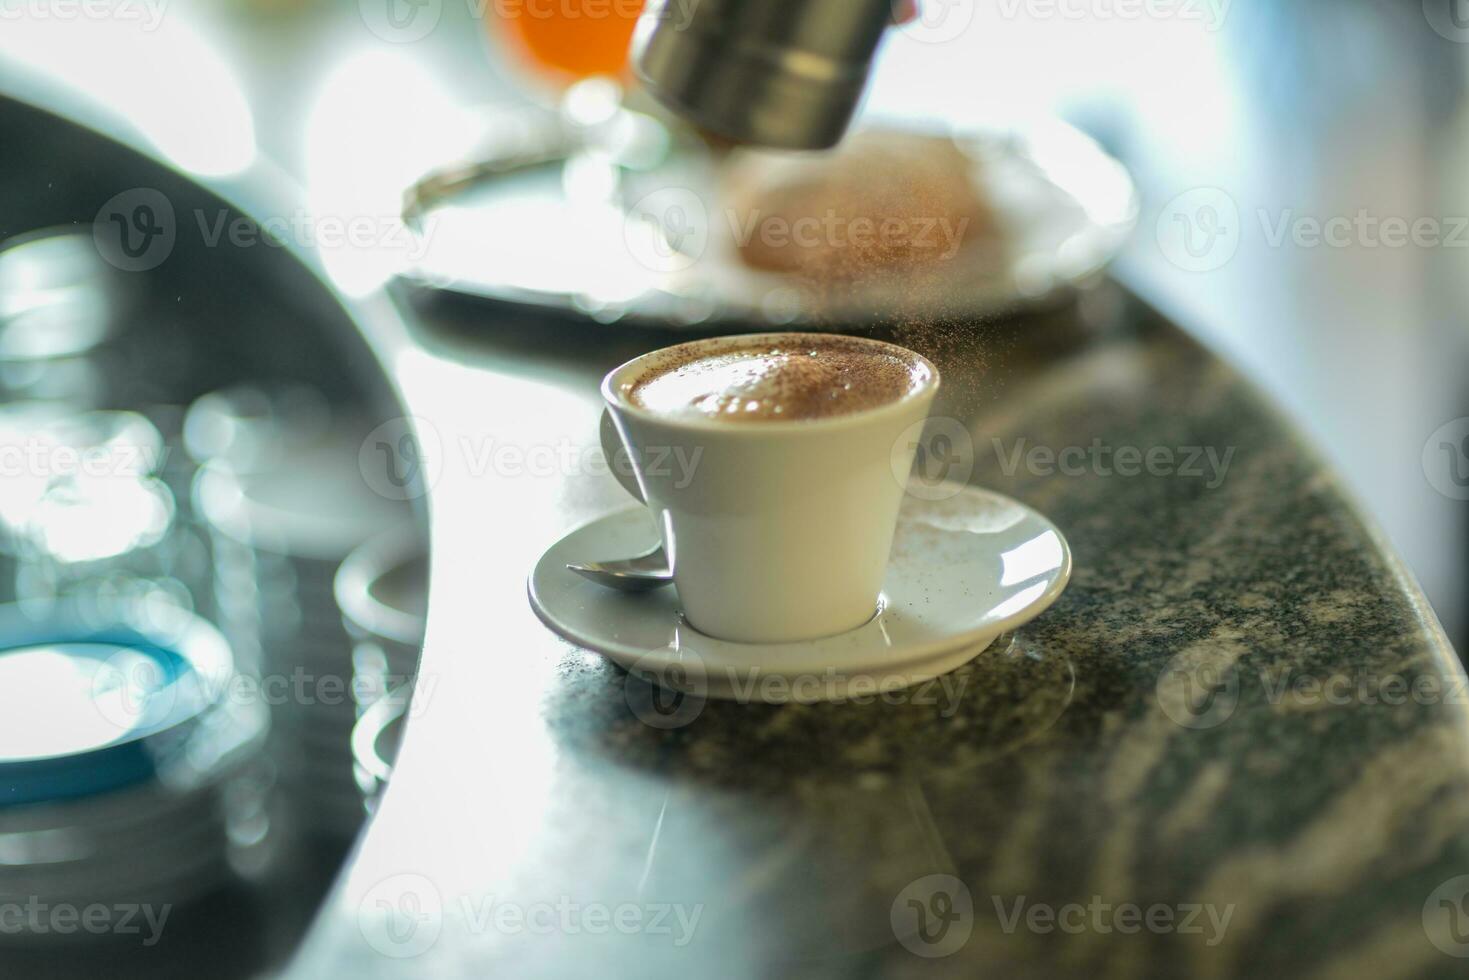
point(964, 569)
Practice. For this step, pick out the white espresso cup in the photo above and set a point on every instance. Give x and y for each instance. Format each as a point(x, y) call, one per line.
point(777, 531)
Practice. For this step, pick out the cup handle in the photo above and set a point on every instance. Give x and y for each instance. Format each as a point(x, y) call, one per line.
point(619, 460)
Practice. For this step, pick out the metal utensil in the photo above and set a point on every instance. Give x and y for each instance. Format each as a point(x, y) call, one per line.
point(776, 73)
point(641, 574)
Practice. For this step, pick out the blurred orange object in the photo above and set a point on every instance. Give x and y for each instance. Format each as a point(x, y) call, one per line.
point(571, 39)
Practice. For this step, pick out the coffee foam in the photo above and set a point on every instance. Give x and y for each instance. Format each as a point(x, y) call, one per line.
point(793, 379)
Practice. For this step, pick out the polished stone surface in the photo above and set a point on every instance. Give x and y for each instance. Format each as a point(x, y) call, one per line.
point(1241, 712)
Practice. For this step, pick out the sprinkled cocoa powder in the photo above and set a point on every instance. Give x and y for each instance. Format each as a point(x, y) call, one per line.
point(796, 378)
point(882, 202)
point(920, 190)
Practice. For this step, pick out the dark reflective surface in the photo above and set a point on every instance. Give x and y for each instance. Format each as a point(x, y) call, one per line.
point(109, 332)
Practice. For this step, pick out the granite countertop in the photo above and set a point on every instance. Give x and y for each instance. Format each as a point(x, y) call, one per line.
point(1237, 745)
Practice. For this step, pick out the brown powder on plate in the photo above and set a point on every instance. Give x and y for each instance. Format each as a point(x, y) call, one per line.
point(883, 202)
point(888, 209)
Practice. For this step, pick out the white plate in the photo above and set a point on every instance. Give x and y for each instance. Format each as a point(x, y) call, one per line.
point(964, 569)
point(661, 250)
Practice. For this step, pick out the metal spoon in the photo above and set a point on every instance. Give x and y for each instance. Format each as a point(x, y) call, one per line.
point(641, 574)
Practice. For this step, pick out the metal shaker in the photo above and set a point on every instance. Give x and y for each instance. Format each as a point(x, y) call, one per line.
point(787, 74)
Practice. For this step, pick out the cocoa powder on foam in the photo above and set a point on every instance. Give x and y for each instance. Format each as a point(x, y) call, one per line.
point(790, 379)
